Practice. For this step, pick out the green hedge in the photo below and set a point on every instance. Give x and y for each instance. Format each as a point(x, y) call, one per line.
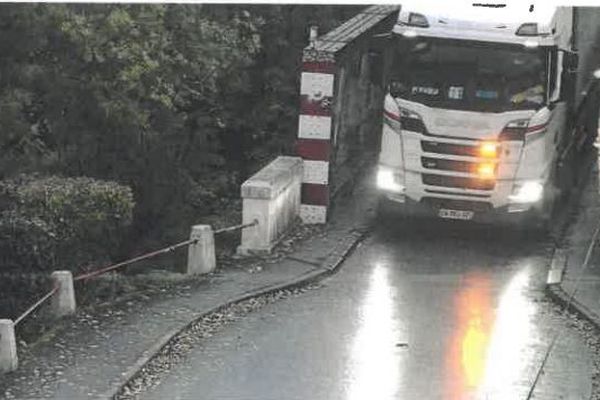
point(52, 222)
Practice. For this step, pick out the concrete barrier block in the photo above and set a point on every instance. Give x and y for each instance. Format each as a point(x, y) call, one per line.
point(272, 197)
point(292, 164)
point(8, 346)
point(257, 189)
point(256, 238)
point(201, 255)
point(63, 302)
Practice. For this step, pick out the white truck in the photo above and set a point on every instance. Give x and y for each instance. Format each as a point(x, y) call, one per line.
point(480, 116)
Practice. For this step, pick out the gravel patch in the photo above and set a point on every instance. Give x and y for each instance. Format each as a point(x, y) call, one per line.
point(591, 335)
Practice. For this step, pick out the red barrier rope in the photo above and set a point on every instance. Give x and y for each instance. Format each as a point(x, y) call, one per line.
point(37, 304)
point(237, 227)
point(109, 268)
point(101, 271)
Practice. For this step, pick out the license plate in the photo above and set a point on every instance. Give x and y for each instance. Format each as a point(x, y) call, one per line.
point(455, 214)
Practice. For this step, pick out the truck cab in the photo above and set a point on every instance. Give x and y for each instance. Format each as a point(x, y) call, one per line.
point(474, 118)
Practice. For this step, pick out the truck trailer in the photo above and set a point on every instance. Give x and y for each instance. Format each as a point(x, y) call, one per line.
point(482, 118)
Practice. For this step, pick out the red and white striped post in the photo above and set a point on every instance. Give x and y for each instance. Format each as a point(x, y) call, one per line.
point(314, 132)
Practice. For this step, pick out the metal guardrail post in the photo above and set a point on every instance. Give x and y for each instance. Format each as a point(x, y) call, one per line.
point(201, 253)
point(8, 346)
point(63, 301)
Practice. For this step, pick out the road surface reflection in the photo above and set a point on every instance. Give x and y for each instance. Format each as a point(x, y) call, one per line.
point(375, 370)
point(487, 352)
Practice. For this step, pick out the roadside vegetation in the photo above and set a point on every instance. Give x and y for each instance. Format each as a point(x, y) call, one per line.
point(122, 125)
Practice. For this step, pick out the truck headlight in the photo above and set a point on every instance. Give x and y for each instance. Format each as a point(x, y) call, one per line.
point(527, 192)
point(386, 180)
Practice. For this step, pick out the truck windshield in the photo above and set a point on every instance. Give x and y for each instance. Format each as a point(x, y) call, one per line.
point(470, 76)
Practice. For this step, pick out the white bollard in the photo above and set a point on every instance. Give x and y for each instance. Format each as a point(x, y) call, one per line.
point(63, 302)
point(201, 255)
point(8, 346)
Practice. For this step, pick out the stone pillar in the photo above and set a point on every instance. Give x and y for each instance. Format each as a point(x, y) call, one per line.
point(8, 346)
point(325, 85)
point(63, 302)
point(201, 255)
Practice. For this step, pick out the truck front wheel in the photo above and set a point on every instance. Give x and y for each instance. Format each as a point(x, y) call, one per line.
point(543, 219)
point(387, 210)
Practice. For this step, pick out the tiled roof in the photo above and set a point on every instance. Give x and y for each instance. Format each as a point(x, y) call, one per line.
point(334, 41)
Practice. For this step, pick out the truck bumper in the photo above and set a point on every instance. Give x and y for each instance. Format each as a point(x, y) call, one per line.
point(389, 206)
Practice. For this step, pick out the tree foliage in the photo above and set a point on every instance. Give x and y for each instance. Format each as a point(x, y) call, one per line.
point(180, 102)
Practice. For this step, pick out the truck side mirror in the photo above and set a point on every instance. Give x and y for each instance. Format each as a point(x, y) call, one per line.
point(571, 62)
point(567, 87)
point(398, 89)
point(595, 80)
point(375, 60)
point(569, 76)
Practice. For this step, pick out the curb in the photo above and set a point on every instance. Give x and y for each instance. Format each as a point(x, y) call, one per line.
point(558, 265)
point(329, 267)
point(558, 295)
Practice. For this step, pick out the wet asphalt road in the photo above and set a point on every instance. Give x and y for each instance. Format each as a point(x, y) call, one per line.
point(419, 311)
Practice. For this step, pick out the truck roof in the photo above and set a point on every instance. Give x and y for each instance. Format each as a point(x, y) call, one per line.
point(485, 25)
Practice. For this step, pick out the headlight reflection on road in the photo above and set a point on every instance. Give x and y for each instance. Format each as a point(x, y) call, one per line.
point(487, 353)
point(511, 337)
point(375, 368)
point(467, 349)
point(473, 352)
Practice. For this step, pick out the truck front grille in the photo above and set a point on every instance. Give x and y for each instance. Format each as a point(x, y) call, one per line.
point(448, 165)
point(458, 182)
point(449, 148)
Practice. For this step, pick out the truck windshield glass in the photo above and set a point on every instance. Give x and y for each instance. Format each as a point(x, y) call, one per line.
point(470, 75)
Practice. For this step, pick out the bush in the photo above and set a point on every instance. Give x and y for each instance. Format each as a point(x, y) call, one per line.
point(21, 290)
point(52, 222)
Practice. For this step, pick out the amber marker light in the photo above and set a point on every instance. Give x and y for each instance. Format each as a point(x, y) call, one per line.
point(488, 149)
point(486, 170)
